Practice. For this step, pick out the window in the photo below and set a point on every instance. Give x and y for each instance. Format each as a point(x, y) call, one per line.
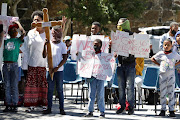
point(157, 32)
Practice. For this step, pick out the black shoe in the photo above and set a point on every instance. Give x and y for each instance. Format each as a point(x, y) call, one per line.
point(162, 113)
point(48, 111)
point(120, 110)
point(172, 114)
point(102, 115)
point(7, 109)
point(62, 112)
point(131, 110)
point(89, 114)
point(14, 109)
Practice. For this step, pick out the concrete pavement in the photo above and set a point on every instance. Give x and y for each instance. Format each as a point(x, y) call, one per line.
point(74, 111)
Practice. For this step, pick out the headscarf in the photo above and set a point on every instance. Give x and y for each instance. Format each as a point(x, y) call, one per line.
point(124, 26)
point(177, 34)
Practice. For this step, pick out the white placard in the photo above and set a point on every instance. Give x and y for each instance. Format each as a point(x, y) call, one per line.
point(83, 42)
point(102, 65)
point(137, 44)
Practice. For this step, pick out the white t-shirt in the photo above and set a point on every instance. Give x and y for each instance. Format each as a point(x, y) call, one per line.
point(24, 65)
point(57, 51)
point(34, 48)
point(167, 60)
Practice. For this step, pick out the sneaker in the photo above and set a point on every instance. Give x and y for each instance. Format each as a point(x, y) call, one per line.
point(29, 109)
point(120, 110)
point(89, 114)
point(47, 111)
point(7, 109)
point(102, 115)
point(131, 110)
point(62, 112)
point(172, 114)
point(14, 109)
point(162, 113)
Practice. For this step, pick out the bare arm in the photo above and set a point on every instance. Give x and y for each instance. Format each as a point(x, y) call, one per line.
point(61, 63)
point(64, 19)
point(154, 61)
point(44, 54)
point(21, 29)
point(177, 63)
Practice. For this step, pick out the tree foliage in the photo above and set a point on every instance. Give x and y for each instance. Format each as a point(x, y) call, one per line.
point(104, 11)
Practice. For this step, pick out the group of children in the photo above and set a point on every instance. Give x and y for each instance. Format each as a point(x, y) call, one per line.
point(39, 85)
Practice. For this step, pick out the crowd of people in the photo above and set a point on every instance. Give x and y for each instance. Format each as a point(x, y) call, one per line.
point(39, 85)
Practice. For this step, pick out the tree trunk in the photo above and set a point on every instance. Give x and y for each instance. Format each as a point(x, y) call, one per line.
point(68, 23)
point(13, 7)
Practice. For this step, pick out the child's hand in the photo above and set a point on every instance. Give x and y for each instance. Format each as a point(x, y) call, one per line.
point(46, 41)
point(64, 20)
point(77, 53)
point(53, 70)
point(115, 55)
point(174, 42)
point(110, 43)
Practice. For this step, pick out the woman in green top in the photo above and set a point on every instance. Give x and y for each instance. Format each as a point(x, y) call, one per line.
point(10, 67)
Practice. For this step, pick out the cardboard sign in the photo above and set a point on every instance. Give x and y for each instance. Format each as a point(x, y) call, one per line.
point(137, 44)
point(101, 66)
point(83, 42)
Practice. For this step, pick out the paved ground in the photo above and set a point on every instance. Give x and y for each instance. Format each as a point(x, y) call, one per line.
point(74, 111)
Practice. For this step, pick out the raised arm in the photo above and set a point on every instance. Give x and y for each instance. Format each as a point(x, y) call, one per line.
point(21, 30)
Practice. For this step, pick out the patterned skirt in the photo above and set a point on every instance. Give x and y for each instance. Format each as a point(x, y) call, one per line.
point(36, 89)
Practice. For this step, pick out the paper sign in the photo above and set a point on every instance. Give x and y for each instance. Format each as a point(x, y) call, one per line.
point(143, 45)
point(137, 44)
point(120, 42)
point(100, 66)
point(83, 42)
point(86, 64)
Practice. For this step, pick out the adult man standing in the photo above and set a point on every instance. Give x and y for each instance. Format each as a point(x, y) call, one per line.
point(95, 28)
point(125, 73)
point(171, 34)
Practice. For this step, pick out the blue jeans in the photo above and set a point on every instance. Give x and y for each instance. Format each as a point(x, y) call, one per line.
point(96, 88)
point(126, 76)
point(11, 77)
point(58, 79)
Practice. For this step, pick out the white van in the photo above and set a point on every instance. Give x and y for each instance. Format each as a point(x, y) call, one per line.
point(155, 34)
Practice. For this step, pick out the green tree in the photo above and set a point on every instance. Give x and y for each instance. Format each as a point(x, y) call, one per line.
point(104, 11)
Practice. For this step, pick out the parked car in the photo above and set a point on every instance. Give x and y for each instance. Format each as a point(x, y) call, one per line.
point(155, 34)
